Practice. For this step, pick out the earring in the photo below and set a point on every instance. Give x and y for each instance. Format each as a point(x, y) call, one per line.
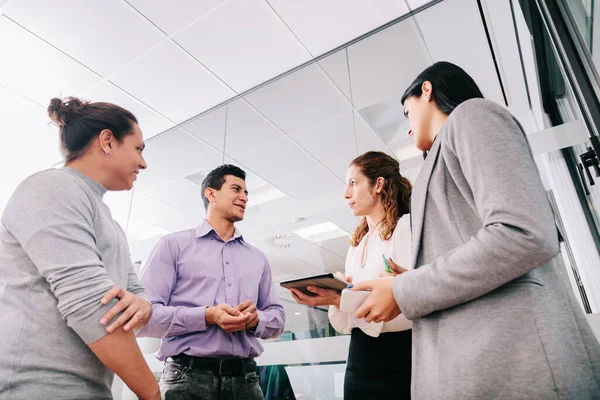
point(108, 153)
point(427, 97)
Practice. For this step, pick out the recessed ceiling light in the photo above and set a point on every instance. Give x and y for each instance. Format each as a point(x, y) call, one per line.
point(321, 232)
point(264, 195)
point(296, 313)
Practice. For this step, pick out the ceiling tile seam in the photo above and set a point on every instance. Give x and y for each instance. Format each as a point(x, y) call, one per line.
point(264, 179)
point(24, 97)
point(352, 103)
point(139, 100)
point(180, 29)
point(225, 131)
point(303, 65)
point(170, 38)
point(201, 64)
point(145, 17)
point(355, 110)
point(288, 28)
point(5, 6)
point(51, 45)
point(420, 33)
point(293, 140)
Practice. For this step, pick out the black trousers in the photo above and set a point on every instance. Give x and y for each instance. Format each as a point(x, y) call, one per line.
point(378, 368)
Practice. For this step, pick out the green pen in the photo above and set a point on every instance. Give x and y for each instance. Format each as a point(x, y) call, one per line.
point(387, 265)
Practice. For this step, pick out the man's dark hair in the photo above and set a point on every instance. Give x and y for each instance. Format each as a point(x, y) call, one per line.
point(216, 178)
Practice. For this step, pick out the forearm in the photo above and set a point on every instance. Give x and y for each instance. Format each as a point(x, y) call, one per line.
point(496, 256)
point(168, 321)
point(120, 353)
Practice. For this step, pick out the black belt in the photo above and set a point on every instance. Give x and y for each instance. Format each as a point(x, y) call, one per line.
point(227, 366)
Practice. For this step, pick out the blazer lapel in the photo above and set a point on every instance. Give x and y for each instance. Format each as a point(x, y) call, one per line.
point(419, 197)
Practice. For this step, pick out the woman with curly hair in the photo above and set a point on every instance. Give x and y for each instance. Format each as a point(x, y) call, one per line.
point(379, 359)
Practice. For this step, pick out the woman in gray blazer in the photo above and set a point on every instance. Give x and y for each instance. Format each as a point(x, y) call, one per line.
point(493, 312)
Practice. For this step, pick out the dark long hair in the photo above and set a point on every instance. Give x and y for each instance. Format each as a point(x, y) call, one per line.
point(395, 194)
point(451, 86)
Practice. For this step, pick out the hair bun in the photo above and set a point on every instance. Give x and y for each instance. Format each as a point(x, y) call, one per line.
point(62, 112)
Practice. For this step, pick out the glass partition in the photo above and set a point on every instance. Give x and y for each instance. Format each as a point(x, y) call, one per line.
point(295, 137)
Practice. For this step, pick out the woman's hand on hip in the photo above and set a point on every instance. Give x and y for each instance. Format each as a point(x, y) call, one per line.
point(381, 304)
point(322, 297)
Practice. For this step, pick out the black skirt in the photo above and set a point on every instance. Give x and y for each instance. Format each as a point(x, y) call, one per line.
point(378, 368)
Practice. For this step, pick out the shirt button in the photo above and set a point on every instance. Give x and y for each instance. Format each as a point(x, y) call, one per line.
point(229, 284)
point(227, 262)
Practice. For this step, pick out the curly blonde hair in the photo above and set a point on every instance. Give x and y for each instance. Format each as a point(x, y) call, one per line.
point(395, 194)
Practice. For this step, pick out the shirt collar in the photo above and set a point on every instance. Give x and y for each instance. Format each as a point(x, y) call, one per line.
point(205, 228)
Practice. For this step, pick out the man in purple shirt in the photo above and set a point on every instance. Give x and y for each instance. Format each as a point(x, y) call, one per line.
point(212, 298)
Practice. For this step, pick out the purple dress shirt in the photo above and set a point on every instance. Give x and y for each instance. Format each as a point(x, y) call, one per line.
point(194, 269)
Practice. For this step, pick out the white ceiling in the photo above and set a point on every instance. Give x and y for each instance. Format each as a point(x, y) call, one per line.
point(170, 61)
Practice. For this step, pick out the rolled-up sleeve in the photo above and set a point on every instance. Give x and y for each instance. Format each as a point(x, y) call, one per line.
point(159, 278)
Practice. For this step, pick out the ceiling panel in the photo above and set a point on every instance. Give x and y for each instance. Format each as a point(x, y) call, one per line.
point(31, 145)
point(324, 25)
point(119, 204)
point(277, 158)
point(442, 38)
point(385, 64)
point(331, 141)
point(154, 176)
point(181, 194)
point(336, 67)
point(366, 138)
point(306, 183)
point(36, 70)
point(249, 34)
point(151, 122)
point(247, 129)
point(299, 100)
point(253, 181)
point(171, 82)
point(209, 127)
point(155, 212)
point(174, 14)
point(338, 246)
point(315, 255)
point(342, 217)
point(102, 34)
point(182, 153)
point(387, 119)
point(283, 209)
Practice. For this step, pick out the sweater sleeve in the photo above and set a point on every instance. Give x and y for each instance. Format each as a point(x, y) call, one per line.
point(51, 215)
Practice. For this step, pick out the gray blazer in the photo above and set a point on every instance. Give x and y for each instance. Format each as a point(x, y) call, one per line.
point(493, 311)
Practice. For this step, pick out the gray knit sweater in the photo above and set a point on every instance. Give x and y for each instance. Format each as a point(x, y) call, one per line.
point(60, 251)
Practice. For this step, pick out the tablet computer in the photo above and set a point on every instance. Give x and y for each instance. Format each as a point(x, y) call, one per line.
point(325, 281)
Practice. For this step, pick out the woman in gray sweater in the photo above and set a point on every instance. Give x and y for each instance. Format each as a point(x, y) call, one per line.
point(494, 315)
point(65, 267)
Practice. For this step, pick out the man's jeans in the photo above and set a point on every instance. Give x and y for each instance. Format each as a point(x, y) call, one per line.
point(179, 382)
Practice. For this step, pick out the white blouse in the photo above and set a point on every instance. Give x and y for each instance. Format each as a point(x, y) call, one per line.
point(398, 248)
